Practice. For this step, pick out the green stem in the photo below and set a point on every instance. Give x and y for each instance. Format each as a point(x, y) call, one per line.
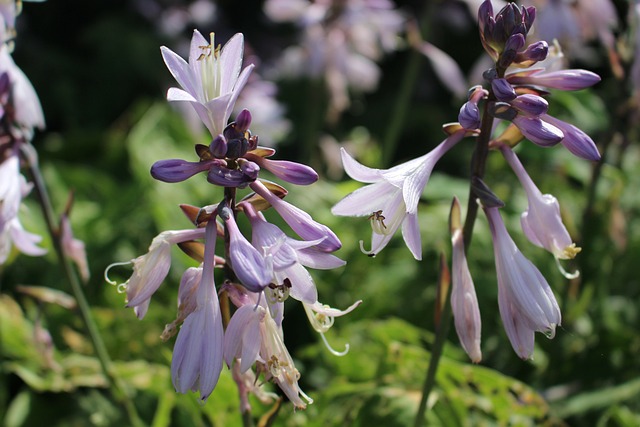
point(478, 165)
point(118, 389)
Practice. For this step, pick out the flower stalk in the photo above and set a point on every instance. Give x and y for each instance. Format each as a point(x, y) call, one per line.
point(118, 389)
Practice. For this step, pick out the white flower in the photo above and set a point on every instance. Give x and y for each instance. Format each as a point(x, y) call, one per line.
point(211, 81)
point(392, 196)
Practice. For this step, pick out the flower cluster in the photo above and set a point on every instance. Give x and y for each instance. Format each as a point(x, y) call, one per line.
point(20, 113)
point(341, 42)
point(261, 272)
point(513, 93)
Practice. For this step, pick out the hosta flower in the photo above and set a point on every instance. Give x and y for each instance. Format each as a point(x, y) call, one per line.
point(526, 301)
point(542, 223)
point(290, 257)
point(13, 187)
point(254, 337)
point(150, 270)
point(212, 79)
point(464, 302)
point(392, 196)
point(198, 351)
point(300, 221)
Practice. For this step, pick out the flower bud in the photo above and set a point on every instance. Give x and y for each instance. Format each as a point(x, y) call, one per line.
point(293, 172)
point(503, 90)
point(538, 131)
point(243, 121)
point(218, 147)
point(178, 170)
point(469, 116)
point(225, 177)
point(530, 105)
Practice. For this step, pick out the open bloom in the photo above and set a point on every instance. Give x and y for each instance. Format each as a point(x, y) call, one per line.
point(526, 301)
point(290, 257)
point(392, 196)
point(542, 223)
point(211, 81)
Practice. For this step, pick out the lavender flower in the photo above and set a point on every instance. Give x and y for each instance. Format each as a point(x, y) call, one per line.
point(300, 221)
point(542, 223)
point(464, 302)
point(254, 337)
point(211, 81)
point(392, 196)
point(526, 301)
point(150, 270)
point(198, 351)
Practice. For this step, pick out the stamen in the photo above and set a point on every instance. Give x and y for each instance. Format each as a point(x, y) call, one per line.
point(565, 273)
point(331, 350)
point(377, 222)
point(115, 264)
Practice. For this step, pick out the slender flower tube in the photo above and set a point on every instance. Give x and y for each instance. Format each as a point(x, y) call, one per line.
point(464, 302)
point(526, 299)
point(300, 221)
point(392, 196)
point(251, 268)
point(541, 223)
point(211, 81)
point(198, 351)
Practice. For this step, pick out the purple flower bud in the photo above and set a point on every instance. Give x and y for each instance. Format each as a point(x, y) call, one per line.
point(576, 141)
point(469, 116)
point(248, 265)
point(243, 121)
point(503, 90)
point(528, 16)
point(515, 42)
point(535, 52)
point(249, 168)
point(538, 131)
point(218, 147)
point(485, 15)
point(178, 170)
point(225, 177)
point(563, 80)
point(531, 105)
point(295, 173)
